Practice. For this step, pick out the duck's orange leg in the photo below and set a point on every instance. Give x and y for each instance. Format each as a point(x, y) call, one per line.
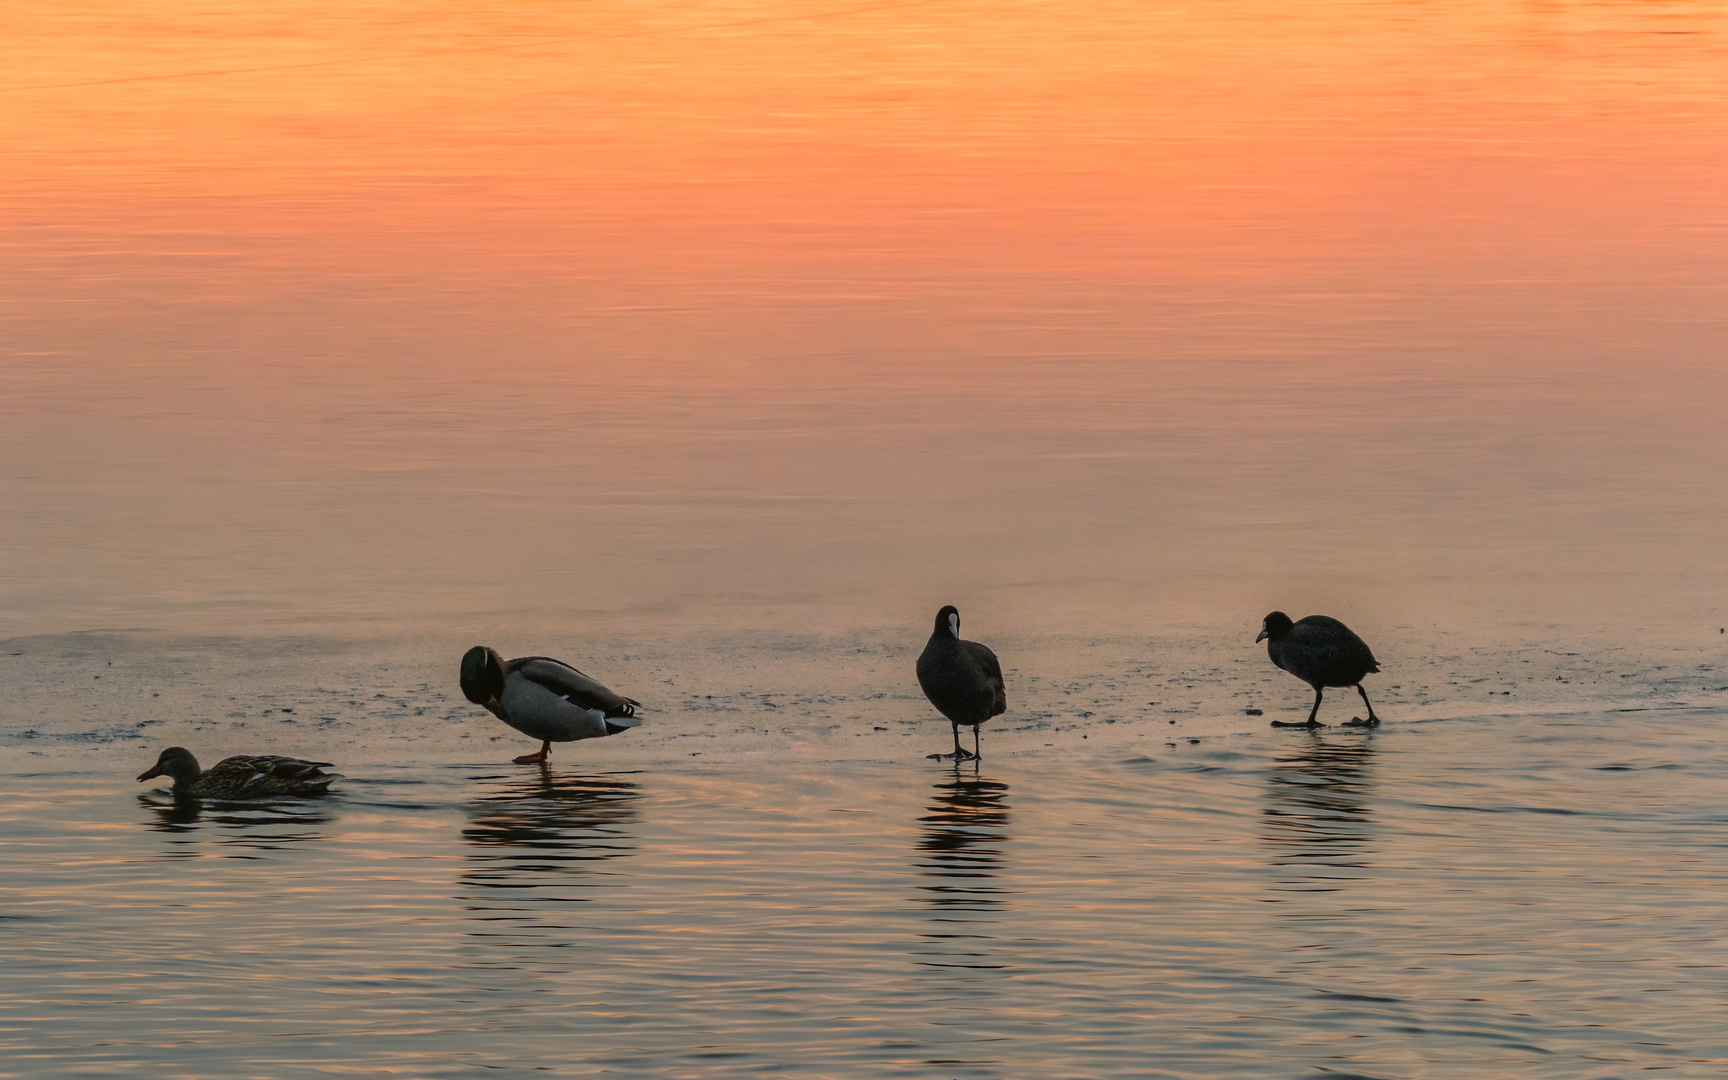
point(536, 759)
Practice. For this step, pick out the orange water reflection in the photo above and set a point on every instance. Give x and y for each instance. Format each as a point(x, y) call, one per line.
point(310, 308)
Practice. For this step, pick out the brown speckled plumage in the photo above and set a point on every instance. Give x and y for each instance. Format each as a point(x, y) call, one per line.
point(245, 776)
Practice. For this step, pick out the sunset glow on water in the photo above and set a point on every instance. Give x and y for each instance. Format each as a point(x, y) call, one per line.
point(713, 347)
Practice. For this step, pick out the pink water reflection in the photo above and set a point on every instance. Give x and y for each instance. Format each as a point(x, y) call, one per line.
point(1119, 313)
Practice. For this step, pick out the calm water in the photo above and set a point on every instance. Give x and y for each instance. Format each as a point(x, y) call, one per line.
point(1520, 874)
point(713, 347)
point(1534, 897)
point(1099, 315)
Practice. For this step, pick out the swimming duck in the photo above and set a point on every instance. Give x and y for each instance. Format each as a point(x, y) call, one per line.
point(245, 776)
point(544, 699)
point(963, 679)
point(1322, 652)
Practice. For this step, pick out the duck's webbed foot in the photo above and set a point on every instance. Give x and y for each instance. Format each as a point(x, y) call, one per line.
point(537, 758)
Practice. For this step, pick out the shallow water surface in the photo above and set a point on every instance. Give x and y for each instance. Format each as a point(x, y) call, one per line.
point(715, 346)
point(1537, 897)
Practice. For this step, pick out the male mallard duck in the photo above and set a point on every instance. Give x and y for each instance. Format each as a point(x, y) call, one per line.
point(1322, 652)
point(247, 776)
point(963, 679)
point(544, 699)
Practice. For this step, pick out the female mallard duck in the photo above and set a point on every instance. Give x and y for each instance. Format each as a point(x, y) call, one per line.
point(544, 699)
point(248, 776)
point(963, 679)
point(1322, 652)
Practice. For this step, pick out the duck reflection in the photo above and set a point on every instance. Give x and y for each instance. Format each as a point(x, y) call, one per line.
point(1318, 819)
point(539, 843)
point(253, 826)
point(960, 863)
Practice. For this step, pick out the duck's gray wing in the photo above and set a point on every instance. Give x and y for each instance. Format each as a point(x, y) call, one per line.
point(573, 686)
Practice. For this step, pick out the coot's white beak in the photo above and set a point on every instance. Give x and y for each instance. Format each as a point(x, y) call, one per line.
point(1262, 636)
point(954, 625)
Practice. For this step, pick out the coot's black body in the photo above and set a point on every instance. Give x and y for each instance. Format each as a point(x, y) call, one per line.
point(1322, 652)
point(963, 679)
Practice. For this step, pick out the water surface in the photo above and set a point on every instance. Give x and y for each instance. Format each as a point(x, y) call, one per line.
point(714, 347)
point(1518, 896)
point(1101, 315)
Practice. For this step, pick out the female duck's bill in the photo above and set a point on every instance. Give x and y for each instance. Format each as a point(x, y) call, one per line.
point(245, 776)
point(1322, 652)
point(963, 679)
point(545, 699)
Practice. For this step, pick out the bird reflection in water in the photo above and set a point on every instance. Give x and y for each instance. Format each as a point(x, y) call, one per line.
point(539, 845)
point(960, 863)
point(239, 828)
point(1318, 820)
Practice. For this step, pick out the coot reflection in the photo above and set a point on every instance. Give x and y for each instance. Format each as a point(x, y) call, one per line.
point(1318, 819)
point(959, 848)
point(961, 866)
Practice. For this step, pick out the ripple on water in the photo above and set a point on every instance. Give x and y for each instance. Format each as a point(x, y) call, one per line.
point(1443, 900)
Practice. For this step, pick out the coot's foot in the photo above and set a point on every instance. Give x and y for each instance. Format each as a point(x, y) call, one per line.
point(1357, 721)
point(1303, 723)
point(958, 755)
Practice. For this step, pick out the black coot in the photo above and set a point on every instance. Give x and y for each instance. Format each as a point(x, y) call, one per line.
point(1322, 652)
point(963, 679)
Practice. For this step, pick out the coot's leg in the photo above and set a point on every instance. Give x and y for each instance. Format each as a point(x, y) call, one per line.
point(959, 753)
point(1318, 694)
point(1372, 719)
point(975, 753)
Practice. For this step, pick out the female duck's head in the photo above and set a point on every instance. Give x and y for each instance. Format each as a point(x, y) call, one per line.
point(176, 761)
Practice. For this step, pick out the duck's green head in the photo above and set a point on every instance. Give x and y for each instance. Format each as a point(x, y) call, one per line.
point(176, 761)
point(482, 675)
